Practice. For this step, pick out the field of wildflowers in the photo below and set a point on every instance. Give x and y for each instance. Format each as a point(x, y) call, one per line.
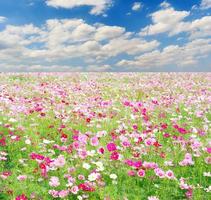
point(109, 136)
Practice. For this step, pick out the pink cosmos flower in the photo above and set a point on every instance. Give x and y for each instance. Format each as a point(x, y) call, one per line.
point(183, 185)
point(53, 193)
point(149, 141)
point(82, 138)
point(150, 165)
point(187, 161)
point(71, 170)
point(81, 177)
point(54, 181)
point(189, 193)
point(94, 141)
point(135, 126)
point(22, 177)
point(170, 174)
point(126, 144)
point(131, 173)
point(82, 154)
point(111, 146)
point(208, 160)
point(141, 173)
point(74, 189)
point(159, 172)
point(60, 161)
point(129, 162)
point(63, 193)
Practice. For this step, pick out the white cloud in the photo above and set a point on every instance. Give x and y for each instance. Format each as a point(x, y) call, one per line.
point(165, 4)
point(61, 41)
point(99, 6)
point(205, 4)
point(164, 20)
point(137, 6)
point(108, 32)
point(186, 55)
point(40, 68)
point(2, 19)
point(168, 20)
point(200, 27)
point(98, 68)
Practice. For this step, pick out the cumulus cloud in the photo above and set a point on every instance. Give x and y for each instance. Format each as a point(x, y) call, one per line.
point(205, 4)
point(40, 68)
point(186, 55)
point(64, 40)
point(168, 20)
point(2, 19)
point(58, 43)
point(165, 4)
point(98, 6)
point(165, 20)
point(137, 6)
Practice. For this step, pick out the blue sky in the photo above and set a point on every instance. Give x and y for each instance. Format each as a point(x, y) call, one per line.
point(105, 35)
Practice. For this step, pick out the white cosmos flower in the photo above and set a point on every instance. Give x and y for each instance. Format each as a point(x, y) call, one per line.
point(28, 141)
point(113, 176)
point(12, 120)
point(86, 166)
point(93, 176)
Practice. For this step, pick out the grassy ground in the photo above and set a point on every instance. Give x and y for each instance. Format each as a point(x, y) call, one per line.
point(67, 118)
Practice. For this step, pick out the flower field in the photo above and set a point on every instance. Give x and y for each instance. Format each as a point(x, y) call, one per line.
point(109, 136)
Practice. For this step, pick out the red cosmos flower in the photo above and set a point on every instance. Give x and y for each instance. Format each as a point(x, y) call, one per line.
point(21, 197)
point(43, 169)
point(86, 187)
point(69, 149)
point(88, 120)
point(101, 150)
point(140, 139)
point(162, 155)
point(3, 141)
point(42, 166)
point(114, 156)
point(113, 135)
point(62, 126)
point(100, 115)
point(10, 192)
point(65, 136)
point(166, 135)
point(157, 144)
point(164, 126)
point(136, 154)
point(7, 173)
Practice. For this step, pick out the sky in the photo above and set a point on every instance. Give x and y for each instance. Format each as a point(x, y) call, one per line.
point(105, 35)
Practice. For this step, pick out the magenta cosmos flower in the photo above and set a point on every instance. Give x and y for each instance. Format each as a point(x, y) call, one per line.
point(111, 146)
point(21, 197)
